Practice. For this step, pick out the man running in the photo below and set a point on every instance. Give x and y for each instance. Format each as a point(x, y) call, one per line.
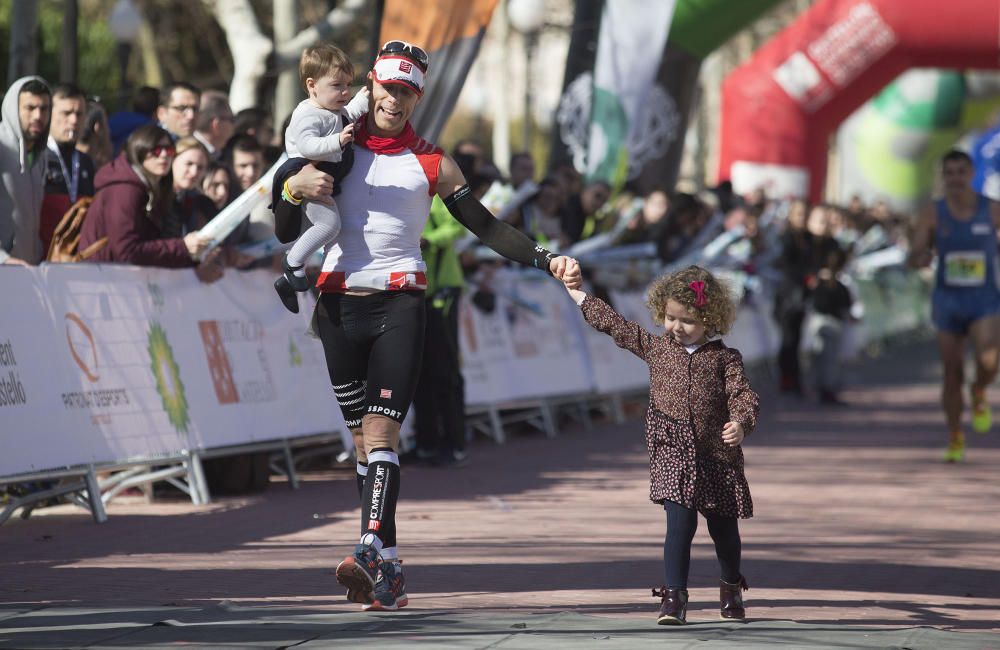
point(371, 312)
point(962, 228)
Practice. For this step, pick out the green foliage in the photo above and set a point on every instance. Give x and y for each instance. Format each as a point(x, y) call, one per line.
point(97, 58)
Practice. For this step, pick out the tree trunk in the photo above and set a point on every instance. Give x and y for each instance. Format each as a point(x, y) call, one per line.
point(23, 35)
point(288, 91)
point(249, 47)
point(69, 55)
point(331, 28)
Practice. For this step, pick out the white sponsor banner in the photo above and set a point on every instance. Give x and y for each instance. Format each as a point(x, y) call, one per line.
point(547, 357)
point(485, 344)
point(118, 376)
point(528, 346)
point(252, 372)
point(118, 363)
point(38, 426)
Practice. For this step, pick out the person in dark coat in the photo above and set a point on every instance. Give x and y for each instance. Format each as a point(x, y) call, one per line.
point(700, 408)
point(134, 192)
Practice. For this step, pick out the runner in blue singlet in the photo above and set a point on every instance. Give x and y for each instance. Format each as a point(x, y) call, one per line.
point(962, 229)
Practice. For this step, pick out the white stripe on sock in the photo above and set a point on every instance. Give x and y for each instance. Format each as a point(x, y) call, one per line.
point(389, 553)
point(383, 456)
point(362, 469)
point(370, 539)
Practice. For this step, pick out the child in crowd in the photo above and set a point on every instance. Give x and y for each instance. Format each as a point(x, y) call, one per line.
point(316, 132)
point(700, 408)
point(832, 305)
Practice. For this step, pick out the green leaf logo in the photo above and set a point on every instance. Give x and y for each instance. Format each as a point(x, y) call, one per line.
point(168, 377)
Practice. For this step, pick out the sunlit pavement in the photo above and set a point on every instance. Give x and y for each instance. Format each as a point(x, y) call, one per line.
point(862, 538)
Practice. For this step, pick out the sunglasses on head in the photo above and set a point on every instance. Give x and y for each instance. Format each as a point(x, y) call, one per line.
point(160, 149)
point(409, 49)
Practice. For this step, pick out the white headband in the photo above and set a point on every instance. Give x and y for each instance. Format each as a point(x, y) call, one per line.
point(399, 70)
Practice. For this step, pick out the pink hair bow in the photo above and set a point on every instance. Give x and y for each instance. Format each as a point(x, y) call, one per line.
point(698, 286)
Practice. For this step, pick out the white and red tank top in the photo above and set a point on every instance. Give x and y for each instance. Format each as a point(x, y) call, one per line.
point(384, 203)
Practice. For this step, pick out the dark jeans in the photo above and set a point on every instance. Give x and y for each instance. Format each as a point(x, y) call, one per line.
point(790, 323)
point(440, 397)
point(681, 526)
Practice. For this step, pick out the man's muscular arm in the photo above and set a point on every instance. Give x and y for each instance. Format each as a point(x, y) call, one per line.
point(500, 236)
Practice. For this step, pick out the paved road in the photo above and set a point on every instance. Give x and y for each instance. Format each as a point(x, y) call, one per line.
point(863, 538)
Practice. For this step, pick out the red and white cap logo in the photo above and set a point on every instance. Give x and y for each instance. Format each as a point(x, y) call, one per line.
point(392, 69)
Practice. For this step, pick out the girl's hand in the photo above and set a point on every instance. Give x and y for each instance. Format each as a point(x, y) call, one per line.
point(732, 433)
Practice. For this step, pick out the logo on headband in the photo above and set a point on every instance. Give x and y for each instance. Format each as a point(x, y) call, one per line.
point(392, 69)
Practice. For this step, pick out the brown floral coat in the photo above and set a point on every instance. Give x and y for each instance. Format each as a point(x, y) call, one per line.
point(691, 397)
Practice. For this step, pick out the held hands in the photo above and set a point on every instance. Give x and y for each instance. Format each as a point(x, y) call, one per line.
point(347, 135)
point(732, 433)
point(567, 270)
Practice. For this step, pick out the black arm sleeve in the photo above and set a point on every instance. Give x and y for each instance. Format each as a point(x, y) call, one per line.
point(501, 237)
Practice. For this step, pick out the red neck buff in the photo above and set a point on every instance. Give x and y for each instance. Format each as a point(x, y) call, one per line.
point(381, 144)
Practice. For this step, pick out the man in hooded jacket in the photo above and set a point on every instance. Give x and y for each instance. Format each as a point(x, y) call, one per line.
point(24, 133)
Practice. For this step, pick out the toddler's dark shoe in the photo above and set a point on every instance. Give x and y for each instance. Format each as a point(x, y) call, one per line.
point(289, 298)
point(673, 606)
point(290, 283)
point(297, 282)
point(731, 599)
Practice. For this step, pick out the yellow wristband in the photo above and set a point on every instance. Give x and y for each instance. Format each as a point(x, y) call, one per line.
point(288, 195)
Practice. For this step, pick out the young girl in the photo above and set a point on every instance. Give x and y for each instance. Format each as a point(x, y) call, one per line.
point(700, 408)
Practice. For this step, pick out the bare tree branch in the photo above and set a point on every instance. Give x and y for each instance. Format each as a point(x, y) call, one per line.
point(335, 23)
point(248, 45)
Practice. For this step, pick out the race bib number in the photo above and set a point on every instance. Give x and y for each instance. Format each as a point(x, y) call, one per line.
point(965, 269)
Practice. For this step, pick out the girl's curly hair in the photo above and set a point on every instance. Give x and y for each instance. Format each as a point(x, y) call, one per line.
point(718, 311)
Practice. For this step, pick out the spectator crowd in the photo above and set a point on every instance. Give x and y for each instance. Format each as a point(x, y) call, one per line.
point(154, 175)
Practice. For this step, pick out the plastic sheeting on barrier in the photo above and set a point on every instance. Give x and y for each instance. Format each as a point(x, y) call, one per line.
point(110, 364)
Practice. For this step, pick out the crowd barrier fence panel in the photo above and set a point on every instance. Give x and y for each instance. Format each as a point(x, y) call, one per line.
point(144, 372)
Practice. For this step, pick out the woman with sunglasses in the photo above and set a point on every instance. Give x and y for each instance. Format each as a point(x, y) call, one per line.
point(370, 316)
point(134, 192)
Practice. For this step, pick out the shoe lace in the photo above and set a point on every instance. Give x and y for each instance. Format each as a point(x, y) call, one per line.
point(659, 592)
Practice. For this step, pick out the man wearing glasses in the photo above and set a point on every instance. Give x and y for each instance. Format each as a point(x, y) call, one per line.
point(371, 311)
point(178, 109)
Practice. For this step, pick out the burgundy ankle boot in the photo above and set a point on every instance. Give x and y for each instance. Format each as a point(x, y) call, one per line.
point(673, 606)
point(731, 599)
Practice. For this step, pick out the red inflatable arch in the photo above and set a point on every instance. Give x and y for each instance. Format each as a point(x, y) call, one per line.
point(780, 108)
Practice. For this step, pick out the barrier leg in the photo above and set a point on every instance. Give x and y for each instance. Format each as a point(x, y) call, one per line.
point(617, 408)
point(496, 424)
point(94, 499)
point(549, 420)
point(196, 480)
point(293, 477)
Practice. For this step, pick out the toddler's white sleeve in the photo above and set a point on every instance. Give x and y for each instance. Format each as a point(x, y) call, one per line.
point(357, 107)
point(307, 135)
